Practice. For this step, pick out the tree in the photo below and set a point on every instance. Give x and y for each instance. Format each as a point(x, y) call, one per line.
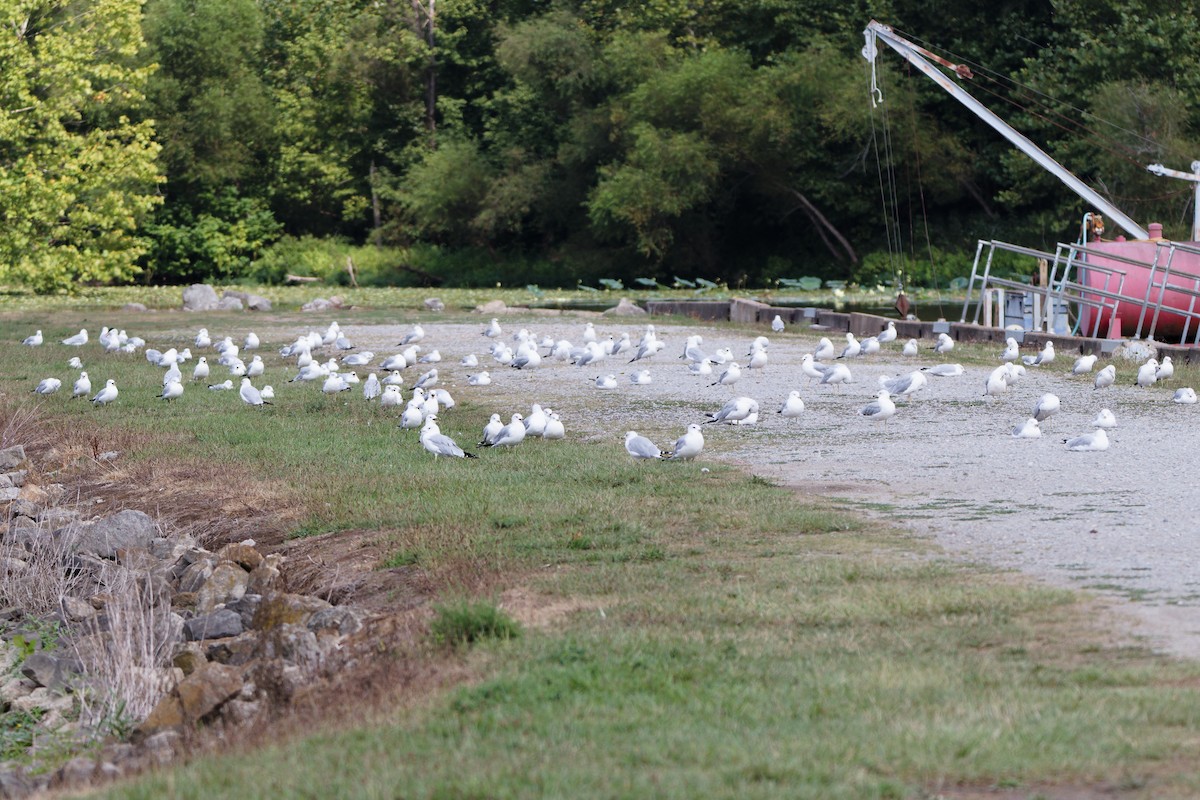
point(77, 173)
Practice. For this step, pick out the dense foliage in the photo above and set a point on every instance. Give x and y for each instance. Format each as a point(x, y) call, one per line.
point(555, 141)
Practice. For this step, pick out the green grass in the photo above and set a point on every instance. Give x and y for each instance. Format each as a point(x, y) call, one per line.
point(720, 636)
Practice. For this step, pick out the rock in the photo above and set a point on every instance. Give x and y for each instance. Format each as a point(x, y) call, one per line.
point(200, 297)
point(6, 482)
point(25, 508)
point(293, 644)
point(11, 457)
point(242, 554)
point(74, 774)
point(195, 576)
point(283, 608)
point(434, 304)
point(253, 302)
point(58, 516)
point(265, 578)
point(13, 566)
point(161, 746)
point(125, 530)
point(217, 625)
point(339, 620)
point(76, 610)
point(170, 550)
point(625, 308)
point(109, 455)
point(43, 699)
point(230, 304)
point(196, 697)
point(240, 712)
point(227, 583)
point(55, 493)
point(235, 651)
point(189, 657)
point(16, 783)
point(9, 494)
point(135, 308)
point(15, 689)
point(494, 307)
point(246, 607)
point(321, 304)
point(45, 670)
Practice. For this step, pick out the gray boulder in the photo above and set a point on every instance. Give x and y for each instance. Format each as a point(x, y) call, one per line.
point(217, 625)
point(11, 457)
point(626, 308)
point(46, 670)
point(253, 302)
point(200, 297)
point(230, 304)
point(125, 530)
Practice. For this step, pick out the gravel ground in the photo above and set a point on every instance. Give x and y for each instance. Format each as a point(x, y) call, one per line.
point(1122, 522)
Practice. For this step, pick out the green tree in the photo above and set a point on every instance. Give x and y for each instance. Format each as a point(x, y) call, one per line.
point(77, 173)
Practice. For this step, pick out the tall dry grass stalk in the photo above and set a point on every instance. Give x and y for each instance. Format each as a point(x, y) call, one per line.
point(125, 653)
point(34, 574)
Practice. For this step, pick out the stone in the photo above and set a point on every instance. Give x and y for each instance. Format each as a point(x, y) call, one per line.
point(45, 670)
point(11, 457)
point(189, 657)
point(47, 700)
point(58, 516)
point(76, 609)
point(109, 455)
point(17, 477)
point(6, 482)
point(55, 493)
point(135, 308)
point(200, 297)
point(494, 307)
point(74, 774)
point(217, 625)
point(253, 302)
point(16, 783)
point(265, 578)
point(434, 304)
point(317, 304)
point(195, 576)
point(171, 549)
point(283, 608)
point(13, 566)
point(195, 698)
point(230, 304)
point(625, 308)
point(293, 644)
point(240, 712)
point(125, 530)
point(25, 508)
point(16, 688)
point(226, 584)
point(242, 554)
point(246, 606)
point(9, 494)
point(339, 620)
point(234, 651)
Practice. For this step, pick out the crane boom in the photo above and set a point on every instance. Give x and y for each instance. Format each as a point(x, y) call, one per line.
point(915, 56)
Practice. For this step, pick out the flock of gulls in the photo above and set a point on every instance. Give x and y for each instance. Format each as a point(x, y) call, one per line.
point(330, 361)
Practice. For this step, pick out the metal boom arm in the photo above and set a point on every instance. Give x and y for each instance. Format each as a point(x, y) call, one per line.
point(914, 55)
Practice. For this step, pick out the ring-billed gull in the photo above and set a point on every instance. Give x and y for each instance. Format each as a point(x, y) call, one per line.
point(470, 360)
point(434, 356)
point(730, 376)
point(701, 368)
point(251, 341)
point(870, 346)
point(416, 334)
point(391, 396)
point(202, 338)
point(1185, 396)
point(1084, 364)
point(640, 447)
point(360, 359)
point(837, 375)
point(106, 395)
point(690, 445)
point(1166, 369)
point(439, 443)
point(1029, 429)
point(910, 348)
point(511, 434)
point(888, 334)
point(554, 428)
point(824, 349)
point(945, 370)
point(793, 406)
point(267, 392)
point(412, 416)
point(172, 390)
point(83, 386)
point(1046, 406)
point(1096, 440)
point(944, 343)
point(1105, 378)
point(1147, 373)
point(75, 363)
point(48, 386)
point(491, 430)
point(221, 387)
point(758, 358)
point(33, 340)
point(1042, 358)
point(535, 423)
point(905, 385)
point(78, 340)
point(493, 329)
point(736, 410)
point(1104, 419)
point(641, 378)
point(777, 324)
point(881, 409)
point(852, 348)
point(427, 380)
point(810, 367)
point(1012, 350)
point(606, 381)
point(200, 371)
point(371, 387)
point(479, 379)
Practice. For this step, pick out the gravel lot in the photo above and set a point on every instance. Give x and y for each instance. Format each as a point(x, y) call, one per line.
point(1125, 522)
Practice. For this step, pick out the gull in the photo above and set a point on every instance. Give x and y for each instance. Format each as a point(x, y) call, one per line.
point(852, 348)
point(493, 329)
point(647, 349)
point(413, 336)
point(622, 345)
point(777, 324)
point(736, 410)
point(1105, 377)
point(358, 359)
point(251, 342)
point(1012, 350)
point(391, 397)
point(439, 443)
point(396, 361)
point(870, 346)
point(310, 373)
point(52, 385)
point(702, 368)
point(1084, 364)
point(730, 376)
point(371, 387)
point(888, 334)
point(640, 447)
point(1029, 429)
point(910, 348)
point(444, 399)
point(335, 383)
point(554, 428)
point(758, 359)
point(881, 409)
point(172, 390)
point(200, 371)
point(824, 350)
point(945, 370)
point(997, 382)
point(606, 381)
point(331, 333)
point(413, 416)
point(256, 367)
point(690, 445)
point(1147, 373)
point(692, 350)
point(304, 358)
point(79, 340)
point(1104, 419)
point(75, 363)
point(510, 435)
point(1044, 357)
point(221, 387)
point(1185, 396)
point(759, 343)
point(470, 360)
point(491, 430)
point(944, 343)
point(562, 350)
point(837, 375)
point(535, 423)
point(811, 368)
point(342, 343)
point(202, 338)
point(1094, 441)
point(904, 385)
point(1165, 369)
point(238, 368)
point(526, 356)
point(83, 386)
point(33, 340)
point(793, 406)
point(641, 378)
point(393, 379)
point(172, 374)
point(432, 357)
point(427, 380)
point(723, 355)
point(1046, 406)
point(589, 332)
point(267, 392)
point(107, 394)
point(502, 353)
point(479, 379)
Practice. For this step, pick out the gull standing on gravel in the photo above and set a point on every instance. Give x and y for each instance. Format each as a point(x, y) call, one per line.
point(1105, 377)
point(1095, 441)
point(1104, 419)
point(910, 348)
point(606, 381)
point(640, 447)
point(1042, 358)
point(997, 382)
point(1166, 369)
point(881, 409)
point(811, 368)
point(793, 406)
point(904, 385)
point(1029, 429)
point(777, 324)
point(688, 446)
point(493, 329)
point(33, 340)
point(479, 379)
point(511, 434)
point(641, 378)
point(888, 334)
point(1185, 396)
point(738, 409)
point(434, 356)
point(106, 395)
point(78, 340)
point(758, 358)
point(852, 348)
point(1046, 407)
point(439, 443)
point(945, 370)
point(837, 375)
point(1084, 364)
point(416, 334)
point(1012, 350)
point(48, 386)
point(944, 343)
point(730, 376)
point(824, 349)
point(83, 386)
point(870, 346)
point(1147, 373)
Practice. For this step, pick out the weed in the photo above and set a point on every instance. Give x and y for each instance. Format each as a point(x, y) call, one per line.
point(463, 623)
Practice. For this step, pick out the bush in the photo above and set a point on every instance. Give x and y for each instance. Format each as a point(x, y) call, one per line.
point(465, 623)
point(310, 256)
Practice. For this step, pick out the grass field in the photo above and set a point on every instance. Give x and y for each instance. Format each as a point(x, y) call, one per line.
point(705, 635)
